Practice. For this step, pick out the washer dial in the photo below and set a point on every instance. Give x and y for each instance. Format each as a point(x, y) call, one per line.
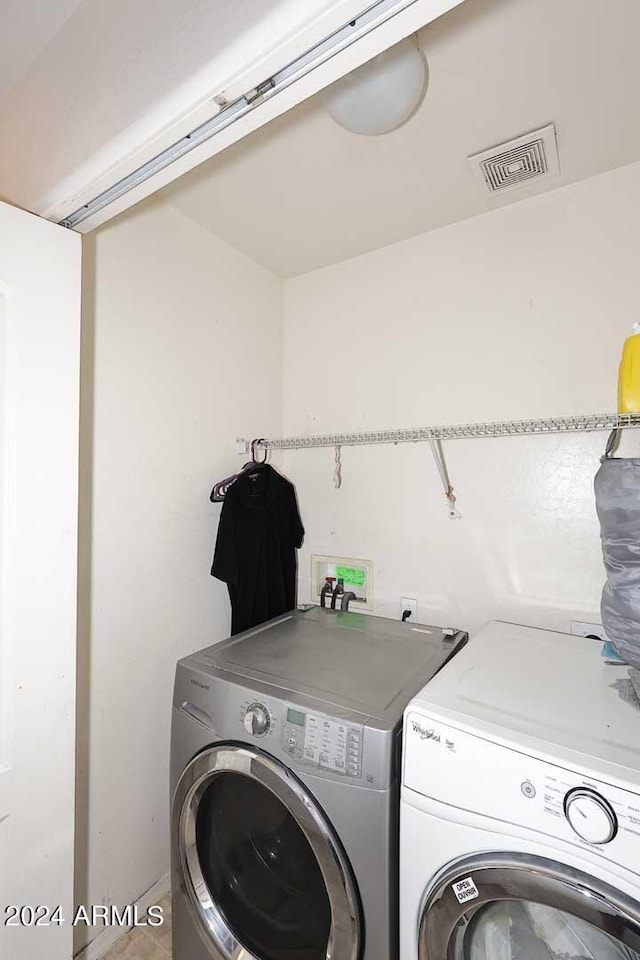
point(256, 719)
point(590, 815)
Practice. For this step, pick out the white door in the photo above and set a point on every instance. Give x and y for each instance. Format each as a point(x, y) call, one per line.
point(39, 378)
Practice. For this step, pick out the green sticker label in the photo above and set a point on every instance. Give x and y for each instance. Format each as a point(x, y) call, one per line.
point(353, 575)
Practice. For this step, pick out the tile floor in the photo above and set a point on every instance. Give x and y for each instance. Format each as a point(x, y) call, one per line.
point(146, 943)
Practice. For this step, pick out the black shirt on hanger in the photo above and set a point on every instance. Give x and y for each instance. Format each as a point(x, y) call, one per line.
point(259, 531)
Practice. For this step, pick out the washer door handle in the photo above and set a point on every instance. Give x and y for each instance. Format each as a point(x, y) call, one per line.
point(198, 714)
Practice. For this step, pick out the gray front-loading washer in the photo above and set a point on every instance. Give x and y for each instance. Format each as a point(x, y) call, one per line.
point(285, 762)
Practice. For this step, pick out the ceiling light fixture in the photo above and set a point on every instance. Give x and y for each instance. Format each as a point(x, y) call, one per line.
point(382, 94)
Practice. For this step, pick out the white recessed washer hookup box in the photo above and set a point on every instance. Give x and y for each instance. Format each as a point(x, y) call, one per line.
point(357, 576)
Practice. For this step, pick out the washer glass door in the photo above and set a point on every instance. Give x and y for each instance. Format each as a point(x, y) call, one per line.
point(531, 908)
point(263, 868)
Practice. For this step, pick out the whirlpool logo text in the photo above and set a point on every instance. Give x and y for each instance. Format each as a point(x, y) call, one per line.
point(425, 733)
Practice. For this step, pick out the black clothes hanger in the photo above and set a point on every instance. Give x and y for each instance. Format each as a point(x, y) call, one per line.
point(219, 490)
point(256, 472)
point(254, 464)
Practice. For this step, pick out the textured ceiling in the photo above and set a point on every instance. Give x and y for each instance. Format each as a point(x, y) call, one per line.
point(26, 27)
point(302, 193)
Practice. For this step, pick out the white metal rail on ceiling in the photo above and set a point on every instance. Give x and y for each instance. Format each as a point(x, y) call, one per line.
point(376, 14)
point(435, 435)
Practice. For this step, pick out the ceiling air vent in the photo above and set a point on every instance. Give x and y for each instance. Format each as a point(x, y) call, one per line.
point(534, 156)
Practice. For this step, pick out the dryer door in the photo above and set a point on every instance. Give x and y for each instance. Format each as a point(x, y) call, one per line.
point(263, 869)
point(506, 907)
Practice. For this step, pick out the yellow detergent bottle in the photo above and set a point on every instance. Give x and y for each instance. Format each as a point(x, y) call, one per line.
point(629, 377)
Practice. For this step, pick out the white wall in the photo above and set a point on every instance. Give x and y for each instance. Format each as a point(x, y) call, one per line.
point(517, 313)
point(182, 352)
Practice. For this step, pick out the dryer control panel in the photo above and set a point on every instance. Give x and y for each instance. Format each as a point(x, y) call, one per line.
point(322, 740)
point(494, 780)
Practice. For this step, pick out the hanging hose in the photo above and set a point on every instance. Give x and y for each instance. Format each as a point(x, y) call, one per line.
point(337, 473)
point(338, 590)
point(346, 599)
point(323, 593)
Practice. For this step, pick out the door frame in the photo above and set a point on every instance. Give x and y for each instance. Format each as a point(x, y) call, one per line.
point(521, 877)
point(346, 936)
point(40, 274)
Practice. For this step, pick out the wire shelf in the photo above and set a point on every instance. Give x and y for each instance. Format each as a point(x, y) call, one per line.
point(464, 431)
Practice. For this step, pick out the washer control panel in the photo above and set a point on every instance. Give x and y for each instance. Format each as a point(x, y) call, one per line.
point(322, 741)
point(451, 766)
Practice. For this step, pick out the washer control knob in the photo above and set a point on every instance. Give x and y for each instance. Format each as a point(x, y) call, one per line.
point(256, 720)
point(590, 815)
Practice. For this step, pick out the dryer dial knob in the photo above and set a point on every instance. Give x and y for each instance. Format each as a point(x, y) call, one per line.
point(590, 815)
point(257, 720)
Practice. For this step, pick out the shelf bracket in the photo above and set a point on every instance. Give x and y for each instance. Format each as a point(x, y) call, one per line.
point(441, 463)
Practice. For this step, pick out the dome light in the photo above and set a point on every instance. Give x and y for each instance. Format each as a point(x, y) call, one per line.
point(383, 93)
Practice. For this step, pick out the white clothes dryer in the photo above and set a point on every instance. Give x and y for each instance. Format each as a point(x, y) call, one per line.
point(520, 805)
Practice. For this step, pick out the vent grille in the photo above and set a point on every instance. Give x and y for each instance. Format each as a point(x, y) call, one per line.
point(534, 156)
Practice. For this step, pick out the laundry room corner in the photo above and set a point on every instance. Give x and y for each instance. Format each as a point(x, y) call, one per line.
point(178, 328)
point(436, 329)
point(348, 666)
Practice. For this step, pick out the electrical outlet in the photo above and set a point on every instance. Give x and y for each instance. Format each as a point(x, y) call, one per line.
point(408, 604)
point(579, 629)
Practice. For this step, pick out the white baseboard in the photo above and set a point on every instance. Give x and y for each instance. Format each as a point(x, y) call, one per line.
point(99, 947)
